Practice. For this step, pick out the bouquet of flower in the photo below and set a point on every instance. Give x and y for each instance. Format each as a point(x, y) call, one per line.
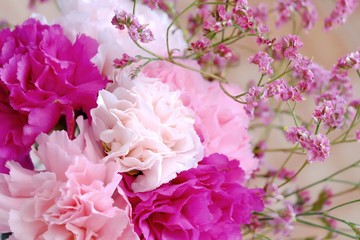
point(119, 122)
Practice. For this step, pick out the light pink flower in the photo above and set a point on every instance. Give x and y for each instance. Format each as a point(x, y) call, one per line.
point(94, 18)
point(73, 198)
point(146, 128)
point(221, 122)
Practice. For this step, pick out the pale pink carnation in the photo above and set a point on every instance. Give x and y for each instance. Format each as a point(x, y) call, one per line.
point(220, 121)
point(94, 18)
point(73, 198)
point(357, 135)
point(146, 128)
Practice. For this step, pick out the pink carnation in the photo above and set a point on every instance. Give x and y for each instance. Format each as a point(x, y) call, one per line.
point(207, 202)
point(73, 198)
point(43, 76)
point(220, 121)
point(146, 129)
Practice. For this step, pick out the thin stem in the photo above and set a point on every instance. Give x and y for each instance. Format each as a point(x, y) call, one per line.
point(346, 191)
point(134, 7)
point(292, 110)
point(229, 94)
point(317, 127)
point(261, 78)
point(326, 228)
point(295, 175)
point(352, 124)
point(341, 205)
point(324, 179)
point(173, 22)
point(284, 163)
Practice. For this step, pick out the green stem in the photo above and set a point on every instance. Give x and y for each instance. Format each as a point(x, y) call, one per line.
point(292, 110)
point(296, 174)
point(261, 78)
point(284, 163)
point(326, 228)
point(324, 179)
point(317, 127)
point(134, 7)
point(341, 205)
point(352, 124)
point(173, 22)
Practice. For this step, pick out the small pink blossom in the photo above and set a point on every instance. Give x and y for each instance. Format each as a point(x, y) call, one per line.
point(263, 60)
point(357, 135)
point(136, 31)
point(340, 13)
point(288, 46)
point(331, 112)
point(284, 220)
point(200, 45)
point(126, 60)
point(279, 89)
point(351, 60)
point(317, 146)
point(305, 8)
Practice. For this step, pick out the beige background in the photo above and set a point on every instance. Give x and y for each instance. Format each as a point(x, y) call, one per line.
point(324, 48)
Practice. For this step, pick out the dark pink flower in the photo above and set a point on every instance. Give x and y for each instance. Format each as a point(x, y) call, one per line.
point(43, 76)
point(207, 202)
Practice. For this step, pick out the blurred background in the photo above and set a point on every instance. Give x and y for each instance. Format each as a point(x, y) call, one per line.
point(324, 47)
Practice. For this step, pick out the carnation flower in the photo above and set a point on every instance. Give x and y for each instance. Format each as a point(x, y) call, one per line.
point(73, 198)
point(147, 130)
point(43, 76)
point(207, 202)
point(220, 122)
point(94, 19)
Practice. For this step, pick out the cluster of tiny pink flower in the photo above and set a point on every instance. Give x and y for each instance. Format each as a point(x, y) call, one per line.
point(305, 8)
point(330, 109)
point(317, 145)
point(257, 97)
point(341, 11)
point(136, 31)
point(220, 56)
point(126, 60)
point(241, 15)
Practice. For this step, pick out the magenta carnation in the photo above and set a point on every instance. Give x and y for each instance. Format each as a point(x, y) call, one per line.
point(42, 77)
point(207, 202)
